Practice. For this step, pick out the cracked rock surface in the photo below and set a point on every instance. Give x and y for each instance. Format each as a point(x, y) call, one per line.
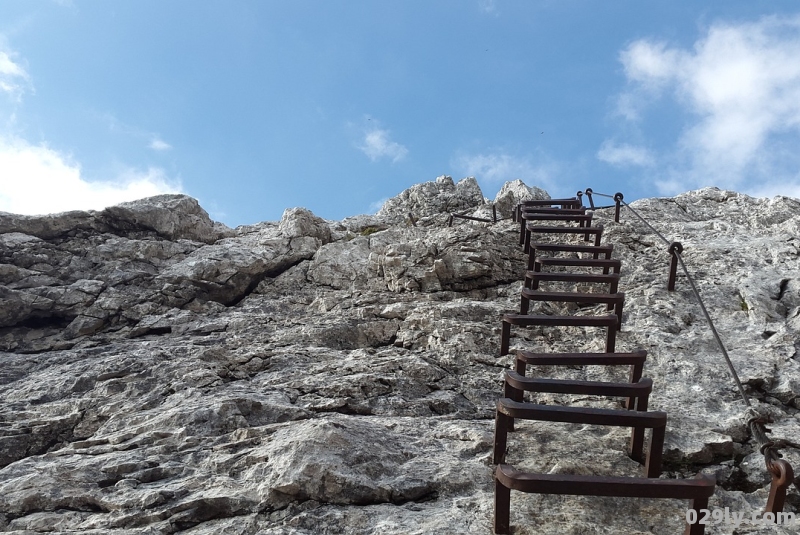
point(161, 373)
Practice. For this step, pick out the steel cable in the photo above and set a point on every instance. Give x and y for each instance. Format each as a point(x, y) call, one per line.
point(713, 330)
point(628, 206)
point(755, 423)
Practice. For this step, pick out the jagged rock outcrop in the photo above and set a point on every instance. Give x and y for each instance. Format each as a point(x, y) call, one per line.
point(161, 373)
point(428, 199)
point(514, 192)
point(138, 265)
point(172, 217)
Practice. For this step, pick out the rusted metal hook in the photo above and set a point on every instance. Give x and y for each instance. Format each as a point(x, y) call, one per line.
point(782, 477)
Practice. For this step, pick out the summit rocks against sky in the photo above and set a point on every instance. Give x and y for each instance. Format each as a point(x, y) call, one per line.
point(160, 372)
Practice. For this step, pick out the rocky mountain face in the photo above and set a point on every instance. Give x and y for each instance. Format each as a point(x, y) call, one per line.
point(160, 372)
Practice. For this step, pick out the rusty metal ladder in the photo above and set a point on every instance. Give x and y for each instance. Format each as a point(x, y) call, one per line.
point(636, 392)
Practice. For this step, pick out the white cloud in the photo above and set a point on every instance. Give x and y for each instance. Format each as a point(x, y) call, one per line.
point(488, 6)
point(377, 205)
point(35, 179)
point(624, 154)
point(9, 68)
point(39, 180)
point(13, 78)
point(116, 125)
point(740, 86)
point(651, 64)
point(788, 189)
point(498, 167)
point(160, 145)
point(377, 144)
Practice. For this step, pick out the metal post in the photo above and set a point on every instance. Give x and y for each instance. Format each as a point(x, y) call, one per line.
point(617, 199)
point(588, 192)
point(505, 338)
point(675, 248)
point(502, 508)
point(579, 195)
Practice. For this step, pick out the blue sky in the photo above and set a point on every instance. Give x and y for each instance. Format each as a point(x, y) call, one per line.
point(254, 107)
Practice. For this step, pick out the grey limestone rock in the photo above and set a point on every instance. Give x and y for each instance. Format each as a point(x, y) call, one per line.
point(170, 216)
point(515, 192)
point(300, 222)
point(433, 198)
point(159, 373)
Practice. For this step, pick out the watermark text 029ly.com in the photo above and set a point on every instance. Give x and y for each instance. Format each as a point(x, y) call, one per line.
point(737, 518)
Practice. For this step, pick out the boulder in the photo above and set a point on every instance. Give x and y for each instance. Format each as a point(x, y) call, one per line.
point(171, 216)
point(514, 192)
point(436, 198)
point(298, 222)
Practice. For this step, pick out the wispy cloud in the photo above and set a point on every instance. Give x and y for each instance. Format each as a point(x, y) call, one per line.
point(154, 140)
point(377, 143)
point(624, 154)
point(789, 188)
point(499, 166)
point(494, 167)
point(377, 205)
point(488, 6)
point(652, 64)
point(14, 80)
point(159, 145)
point(740, 88)
point(40, 180)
